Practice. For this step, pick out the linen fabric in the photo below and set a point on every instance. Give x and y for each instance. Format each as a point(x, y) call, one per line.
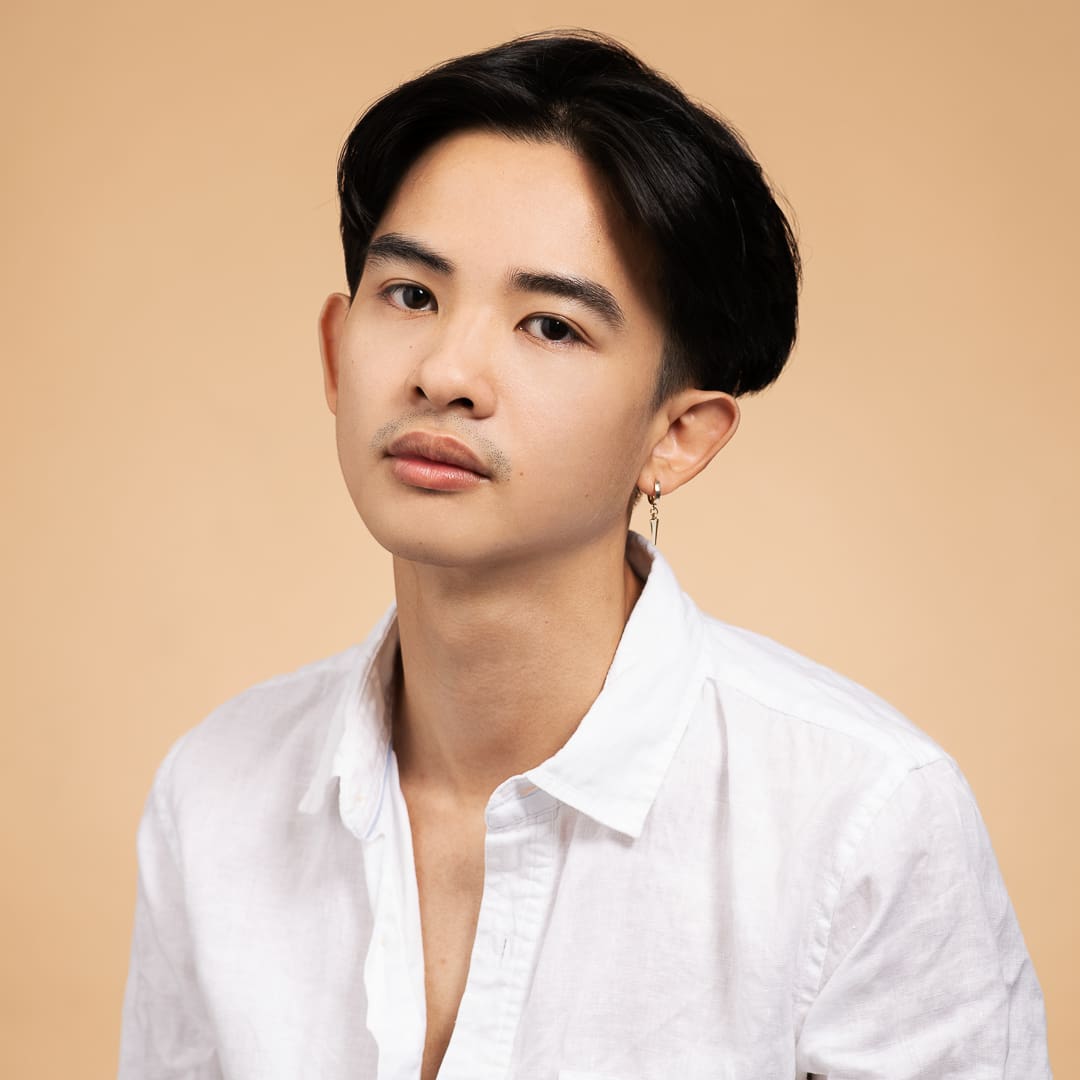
point(741, 865)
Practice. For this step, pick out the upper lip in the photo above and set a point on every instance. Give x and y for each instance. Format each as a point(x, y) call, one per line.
point(434, 447)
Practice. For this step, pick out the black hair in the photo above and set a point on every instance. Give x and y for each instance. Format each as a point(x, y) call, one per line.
point(727, 265)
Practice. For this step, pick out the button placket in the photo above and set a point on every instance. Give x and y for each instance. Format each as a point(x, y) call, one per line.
point(518, 881)
point(393, 975)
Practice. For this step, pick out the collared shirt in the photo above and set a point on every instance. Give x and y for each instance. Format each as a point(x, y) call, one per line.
point(740, 865)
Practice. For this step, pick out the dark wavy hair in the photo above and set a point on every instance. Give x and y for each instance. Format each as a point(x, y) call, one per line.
point(727, 264)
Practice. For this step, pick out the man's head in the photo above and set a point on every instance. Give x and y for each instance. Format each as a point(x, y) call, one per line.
point(557, 260)
point(720, 250)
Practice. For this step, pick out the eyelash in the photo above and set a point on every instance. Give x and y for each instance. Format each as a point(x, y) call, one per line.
point(388, 293)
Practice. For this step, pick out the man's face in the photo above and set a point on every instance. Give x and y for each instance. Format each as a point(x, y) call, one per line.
point(499, 307)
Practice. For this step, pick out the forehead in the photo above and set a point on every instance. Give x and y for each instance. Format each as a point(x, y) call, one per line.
point(489, 200)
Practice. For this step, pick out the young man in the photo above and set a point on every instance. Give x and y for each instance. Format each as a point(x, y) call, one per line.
point(551, 820)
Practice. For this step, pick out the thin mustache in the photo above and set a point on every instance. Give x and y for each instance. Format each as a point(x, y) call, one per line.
point(496, 460)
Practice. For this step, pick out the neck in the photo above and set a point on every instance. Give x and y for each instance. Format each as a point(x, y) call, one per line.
point(498, 668)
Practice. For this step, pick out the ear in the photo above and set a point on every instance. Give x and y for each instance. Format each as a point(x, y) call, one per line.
point(692, 426)
point(331, 325)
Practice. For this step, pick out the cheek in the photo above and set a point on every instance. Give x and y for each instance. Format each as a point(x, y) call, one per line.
point(588, 443)
point(364, 389)
point(367, 377)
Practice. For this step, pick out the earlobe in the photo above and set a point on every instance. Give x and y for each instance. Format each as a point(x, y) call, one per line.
point(699, 424)
point(331, 325)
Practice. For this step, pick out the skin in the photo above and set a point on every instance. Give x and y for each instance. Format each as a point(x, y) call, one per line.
point(512, 595)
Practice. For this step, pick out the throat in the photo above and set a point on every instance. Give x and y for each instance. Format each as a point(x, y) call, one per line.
point(491, 688)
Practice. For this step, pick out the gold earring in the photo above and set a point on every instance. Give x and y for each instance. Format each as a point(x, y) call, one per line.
point(654, 511)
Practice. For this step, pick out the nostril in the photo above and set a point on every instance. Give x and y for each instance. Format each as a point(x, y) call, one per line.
point(423, 395)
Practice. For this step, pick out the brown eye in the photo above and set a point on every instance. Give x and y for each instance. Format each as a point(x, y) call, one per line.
point(414, 297)
point(410, 297)
point(556, 331)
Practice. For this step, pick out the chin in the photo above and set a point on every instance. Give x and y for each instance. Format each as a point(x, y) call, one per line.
point(469, 530)
point(439, 534)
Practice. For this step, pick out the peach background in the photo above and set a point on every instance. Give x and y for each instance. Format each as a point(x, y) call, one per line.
point(901, 506)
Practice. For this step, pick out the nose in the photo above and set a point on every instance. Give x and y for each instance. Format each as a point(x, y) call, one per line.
point(454, 369)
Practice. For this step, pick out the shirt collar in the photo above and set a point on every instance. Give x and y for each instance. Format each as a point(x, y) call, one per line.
point(610, 768)
point(358, 738)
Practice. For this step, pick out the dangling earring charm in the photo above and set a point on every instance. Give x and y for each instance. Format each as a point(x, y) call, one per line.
point(654, 511)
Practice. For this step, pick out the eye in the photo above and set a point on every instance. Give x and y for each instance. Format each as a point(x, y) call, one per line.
point(549, 328)
point(409, 297)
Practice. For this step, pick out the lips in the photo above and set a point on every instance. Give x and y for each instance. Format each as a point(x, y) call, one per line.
point(439, 448)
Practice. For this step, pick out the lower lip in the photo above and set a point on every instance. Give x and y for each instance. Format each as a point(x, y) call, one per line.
point(434, 475)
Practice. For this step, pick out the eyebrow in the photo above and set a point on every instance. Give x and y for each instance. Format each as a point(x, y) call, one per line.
point(405, 249)
point(590, 294)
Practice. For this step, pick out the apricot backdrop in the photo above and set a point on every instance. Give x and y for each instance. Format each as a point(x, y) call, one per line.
point(901, 506)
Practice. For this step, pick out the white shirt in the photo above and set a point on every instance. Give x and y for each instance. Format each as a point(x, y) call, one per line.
point(741, 865)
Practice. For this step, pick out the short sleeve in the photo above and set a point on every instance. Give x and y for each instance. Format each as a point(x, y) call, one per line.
point(165, 1031)
point(926, 973)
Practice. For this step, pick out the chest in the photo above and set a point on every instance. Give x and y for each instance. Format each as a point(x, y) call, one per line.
point(548, 947)
point(448, 851)
point(532, 946)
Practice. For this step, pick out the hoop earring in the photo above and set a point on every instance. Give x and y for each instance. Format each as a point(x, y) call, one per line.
point(654, 511)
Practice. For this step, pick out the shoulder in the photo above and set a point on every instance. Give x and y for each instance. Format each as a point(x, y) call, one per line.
point(879, 808)
point(757, 677)
point(267, 736)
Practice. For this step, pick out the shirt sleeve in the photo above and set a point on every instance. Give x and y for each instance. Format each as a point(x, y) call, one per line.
point(165, 1034)
point(925, 971)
